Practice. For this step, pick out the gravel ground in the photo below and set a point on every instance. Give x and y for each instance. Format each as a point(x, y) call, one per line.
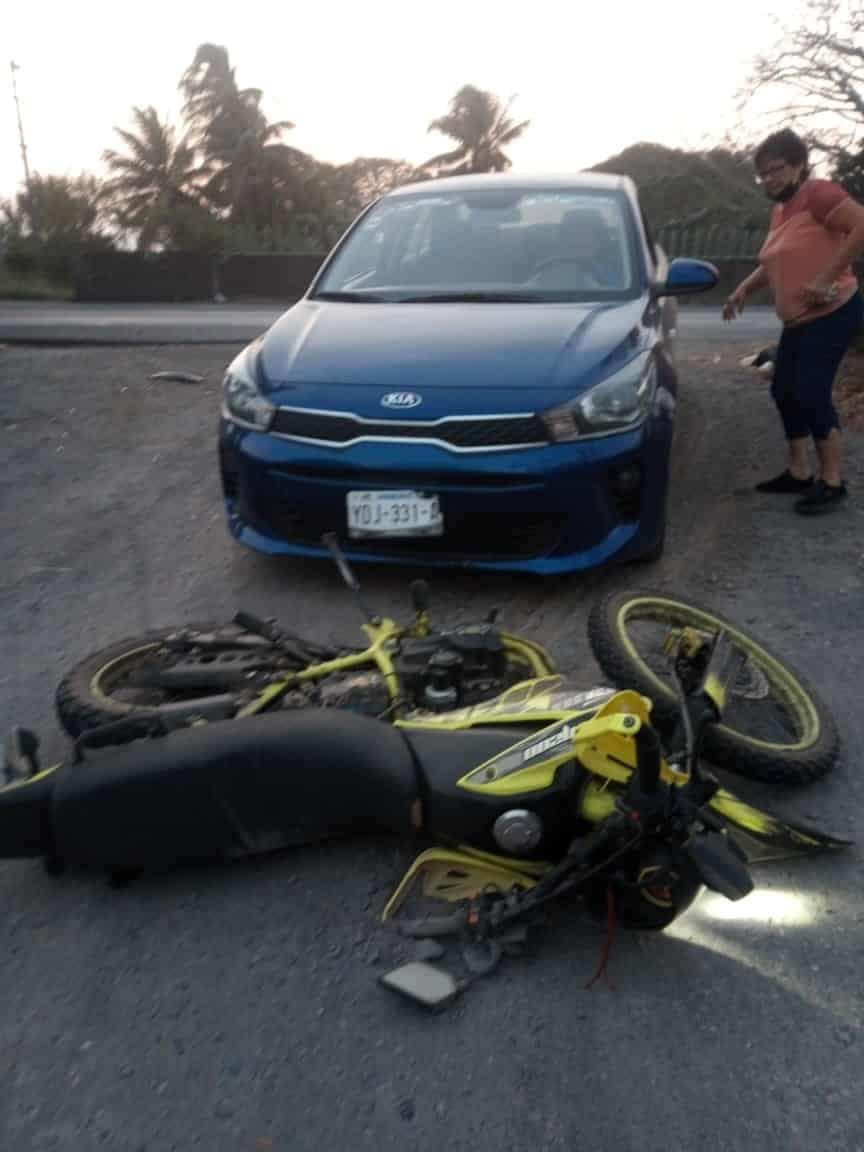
point(236, 1008)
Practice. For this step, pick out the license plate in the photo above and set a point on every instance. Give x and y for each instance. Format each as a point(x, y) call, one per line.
point(394, 514)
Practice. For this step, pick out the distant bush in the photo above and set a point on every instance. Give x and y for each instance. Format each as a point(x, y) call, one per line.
point(32, 286)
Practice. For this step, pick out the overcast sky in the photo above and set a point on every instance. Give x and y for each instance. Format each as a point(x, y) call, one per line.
point(367, 78)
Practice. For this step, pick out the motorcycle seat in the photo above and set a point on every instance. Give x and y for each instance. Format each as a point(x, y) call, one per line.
point(233, 788)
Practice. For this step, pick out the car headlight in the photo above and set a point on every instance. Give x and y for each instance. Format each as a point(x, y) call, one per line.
point(619, 402)
point(242, 400)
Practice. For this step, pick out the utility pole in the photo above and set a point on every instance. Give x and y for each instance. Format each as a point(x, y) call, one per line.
point(13, 68)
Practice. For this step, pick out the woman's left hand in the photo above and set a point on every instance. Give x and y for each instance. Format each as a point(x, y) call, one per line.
point(819, 291)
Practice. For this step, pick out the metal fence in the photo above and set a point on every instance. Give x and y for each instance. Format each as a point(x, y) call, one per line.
point(711, 242)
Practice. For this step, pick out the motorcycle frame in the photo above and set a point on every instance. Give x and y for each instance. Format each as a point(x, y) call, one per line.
point(384, 635)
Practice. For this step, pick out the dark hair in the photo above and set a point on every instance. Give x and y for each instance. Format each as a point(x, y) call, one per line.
point(784, 145)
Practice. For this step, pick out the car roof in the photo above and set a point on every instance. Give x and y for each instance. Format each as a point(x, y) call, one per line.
point(589, 181)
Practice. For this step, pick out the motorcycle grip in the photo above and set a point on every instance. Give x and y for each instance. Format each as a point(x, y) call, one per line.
point(255, 624)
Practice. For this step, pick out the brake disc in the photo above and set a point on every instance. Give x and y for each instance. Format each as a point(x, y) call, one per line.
point(751, 683)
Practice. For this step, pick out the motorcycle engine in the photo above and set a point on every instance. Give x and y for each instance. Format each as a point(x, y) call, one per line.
point(363, 692)
point(453, 669)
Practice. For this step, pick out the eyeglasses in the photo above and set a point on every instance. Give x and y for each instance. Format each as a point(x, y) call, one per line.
point(769, 173)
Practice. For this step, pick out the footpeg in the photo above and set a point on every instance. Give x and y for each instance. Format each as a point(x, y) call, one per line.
point(20, 755)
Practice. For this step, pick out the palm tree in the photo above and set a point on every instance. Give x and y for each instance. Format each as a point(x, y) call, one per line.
point(153, 186)
point(250, 172)
point(482, 127)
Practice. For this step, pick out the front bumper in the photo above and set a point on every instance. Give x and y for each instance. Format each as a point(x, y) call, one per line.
point(547, 510)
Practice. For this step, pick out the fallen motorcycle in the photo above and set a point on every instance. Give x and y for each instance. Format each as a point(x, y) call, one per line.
point(775, 727)
point(203, 672)
point(541, 794)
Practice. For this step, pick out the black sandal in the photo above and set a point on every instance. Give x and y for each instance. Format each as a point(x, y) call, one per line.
point(786, 483)
point(823, 498)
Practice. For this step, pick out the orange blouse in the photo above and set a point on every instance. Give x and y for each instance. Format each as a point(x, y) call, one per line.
point(799, 247)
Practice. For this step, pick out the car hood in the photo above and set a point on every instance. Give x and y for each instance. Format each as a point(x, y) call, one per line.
point(352, 354)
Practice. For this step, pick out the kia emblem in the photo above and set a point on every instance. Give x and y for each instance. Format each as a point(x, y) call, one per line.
point(401, 400)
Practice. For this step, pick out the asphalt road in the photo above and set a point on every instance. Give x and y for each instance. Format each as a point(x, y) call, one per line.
point(58, 323)
point(237, 1008)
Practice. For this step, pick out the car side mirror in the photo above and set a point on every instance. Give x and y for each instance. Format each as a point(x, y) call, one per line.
point(686, 276)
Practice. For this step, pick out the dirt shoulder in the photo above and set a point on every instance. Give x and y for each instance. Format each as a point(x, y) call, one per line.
point(850, 391)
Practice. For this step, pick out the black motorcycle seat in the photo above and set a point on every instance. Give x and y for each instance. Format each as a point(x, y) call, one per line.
point(234, 788)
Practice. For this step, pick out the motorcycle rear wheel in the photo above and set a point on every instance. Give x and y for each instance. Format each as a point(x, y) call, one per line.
point(88, 695)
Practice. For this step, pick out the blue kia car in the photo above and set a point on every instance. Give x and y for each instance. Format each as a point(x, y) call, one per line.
point(481, 374)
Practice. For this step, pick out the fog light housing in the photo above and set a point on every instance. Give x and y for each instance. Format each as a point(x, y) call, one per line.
point(626, 486)
point(628, 481)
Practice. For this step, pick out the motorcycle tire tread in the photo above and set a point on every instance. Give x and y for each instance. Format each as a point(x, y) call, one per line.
point(78, 711)
point(722, 745)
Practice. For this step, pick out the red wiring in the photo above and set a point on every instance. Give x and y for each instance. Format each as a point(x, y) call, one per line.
point(608, 942)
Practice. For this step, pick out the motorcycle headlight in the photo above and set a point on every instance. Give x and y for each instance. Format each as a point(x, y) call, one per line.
point(242, 400)
point(616, 403)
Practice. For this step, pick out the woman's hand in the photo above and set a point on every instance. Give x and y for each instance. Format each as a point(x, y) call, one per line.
point(819, 291)
point(734, 305)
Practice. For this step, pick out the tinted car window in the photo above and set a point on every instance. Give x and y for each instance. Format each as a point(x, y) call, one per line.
point(543, 245)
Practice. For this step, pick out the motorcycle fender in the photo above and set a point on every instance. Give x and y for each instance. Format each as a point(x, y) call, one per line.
point(764, 836)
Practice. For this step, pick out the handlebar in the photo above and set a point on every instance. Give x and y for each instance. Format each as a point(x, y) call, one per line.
point(648, 760)
point(259, 627)
point(300, 650)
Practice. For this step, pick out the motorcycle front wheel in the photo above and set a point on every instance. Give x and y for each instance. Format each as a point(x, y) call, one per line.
point(775, 726)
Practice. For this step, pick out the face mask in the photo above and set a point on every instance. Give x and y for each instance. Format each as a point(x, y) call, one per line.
point(786, 194)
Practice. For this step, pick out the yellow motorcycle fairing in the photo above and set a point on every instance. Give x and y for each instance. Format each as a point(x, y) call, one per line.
point(452, 875)
point(602, 742)
point(597, 731)
point(535, 702)
point(601, 739)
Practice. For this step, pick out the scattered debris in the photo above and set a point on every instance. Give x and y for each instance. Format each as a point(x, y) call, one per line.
point(177, 377)
point(429, 950)
point(761, 361)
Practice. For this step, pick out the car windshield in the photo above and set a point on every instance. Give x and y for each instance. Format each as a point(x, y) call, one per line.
point(487, 245)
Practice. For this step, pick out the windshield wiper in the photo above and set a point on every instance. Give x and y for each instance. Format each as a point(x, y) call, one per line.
point(351, 297)
point(473, 298)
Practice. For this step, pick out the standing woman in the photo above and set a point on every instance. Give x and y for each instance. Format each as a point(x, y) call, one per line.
point(815, 234)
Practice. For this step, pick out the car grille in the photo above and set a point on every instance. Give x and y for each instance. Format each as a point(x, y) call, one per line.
point(475, 433)
point(465, 538)
point(332, 472)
